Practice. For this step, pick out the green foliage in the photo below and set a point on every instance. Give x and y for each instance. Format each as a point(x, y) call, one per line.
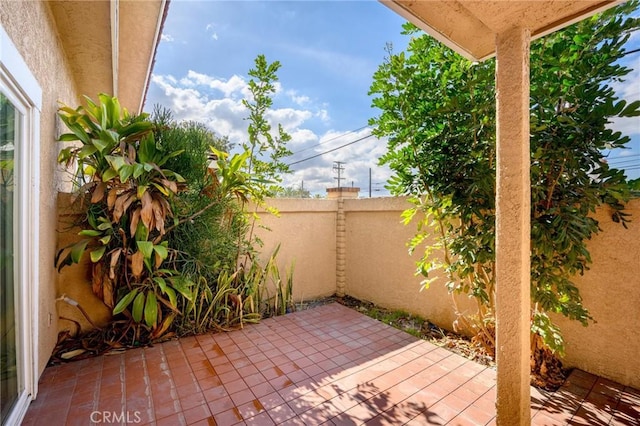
point(266, 148)
point(128, 205)
point(438, 112)
point(219, 294)
point(166, 222)
point(206, 243)
point(293, 192)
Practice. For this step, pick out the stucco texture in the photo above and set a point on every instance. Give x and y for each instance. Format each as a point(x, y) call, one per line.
point(74, 281)
point(30, 26)
point(306, 233)
point(611, 291)
point(378, 269)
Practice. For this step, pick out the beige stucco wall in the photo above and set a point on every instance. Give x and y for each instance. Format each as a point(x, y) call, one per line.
point(306, 232)
point(378, 269)
point(29, 25)
point(611, 292)
point(74, 281)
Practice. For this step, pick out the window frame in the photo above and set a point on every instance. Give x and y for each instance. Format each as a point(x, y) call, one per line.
point(20, 86)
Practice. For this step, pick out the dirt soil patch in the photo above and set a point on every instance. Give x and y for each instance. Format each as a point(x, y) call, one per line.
point(411, 324)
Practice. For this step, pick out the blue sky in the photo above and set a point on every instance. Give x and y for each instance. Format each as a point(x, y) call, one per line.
point(328, 50)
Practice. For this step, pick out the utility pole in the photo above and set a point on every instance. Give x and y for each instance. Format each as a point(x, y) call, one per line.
point(369, 182)
point(337, 167)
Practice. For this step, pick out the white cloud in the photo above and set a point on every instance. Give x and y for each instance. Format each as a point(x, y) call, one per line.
point(318, 174)
point(323, 115)
point(290, 118)
point(217, 102)
point(298, 99)
point(210, 28)
point(233, 87)
point(167, 37)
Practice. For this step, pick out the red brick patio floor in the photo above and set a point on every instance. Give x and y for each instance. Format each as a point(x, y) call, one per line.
point(328, 365)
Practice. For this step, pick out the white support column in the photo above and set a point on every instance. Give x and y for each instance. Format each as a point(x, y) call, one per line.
point(513, 209)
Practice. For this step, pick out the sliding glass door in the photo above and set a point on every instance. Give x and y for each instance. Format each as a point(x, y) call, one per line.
point(10, 384)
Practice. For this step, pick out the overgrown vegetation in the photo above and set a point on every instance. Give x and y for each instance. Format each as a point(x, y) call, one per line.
point(420, 328)
point(438, 112)
point(167, 229)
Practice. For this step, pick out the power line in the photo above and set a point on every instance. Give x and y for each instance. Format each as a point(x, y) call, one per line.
point(621, 158)
point(329, 140)
point(630, 52)
point(331, 150)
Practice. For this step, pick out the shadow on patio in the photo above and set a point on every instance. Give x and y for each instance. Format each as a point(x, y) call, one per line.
point(327, 365)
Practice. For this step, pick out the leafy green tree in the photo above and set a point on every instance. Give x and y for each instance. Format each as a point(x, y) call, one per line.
point(438, 112)
point(266, 147)
point(293, 192)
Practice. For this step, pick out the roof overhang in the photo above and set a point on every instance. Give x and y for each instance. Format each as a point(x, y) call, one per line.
point(110, 45)
point(470, 27)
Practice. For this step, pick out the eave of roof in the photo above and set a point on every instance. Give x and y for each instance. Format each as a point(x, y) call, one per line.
point(470, 27)
point(110, 45)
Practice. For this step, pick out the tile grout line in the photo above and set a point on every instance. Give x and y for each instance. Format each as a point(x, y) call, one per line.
point(432, 383)
point(389, 372)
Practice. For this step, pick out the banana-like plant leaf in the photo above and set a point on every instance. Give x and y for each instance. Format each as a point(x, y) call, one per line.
point(116, 161)
point(109, 174)
point(151, 310)
point(97, 254)
point(161, 283)
point(147, 150)
point(162, 251)
point(125, 172)
point(86, 151)
point(78, 250)
point(67, 137)
point(182, 286)
point(138, 306)
point(172, 297)
point(146, 247)
point(125, 301)
point(138, 169)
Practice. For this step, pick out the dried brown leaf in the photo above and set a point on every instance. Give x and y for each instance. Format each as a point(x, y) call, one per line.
point(107, 292)
point(115, 256)
point(98, 192)
point(111, 198)
point(146, 213)
point(158, 215)
point(132, 153)
point(96, 279)
point(135, 218)
point(171, 185)
point(137, 264)
point(166, 207)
